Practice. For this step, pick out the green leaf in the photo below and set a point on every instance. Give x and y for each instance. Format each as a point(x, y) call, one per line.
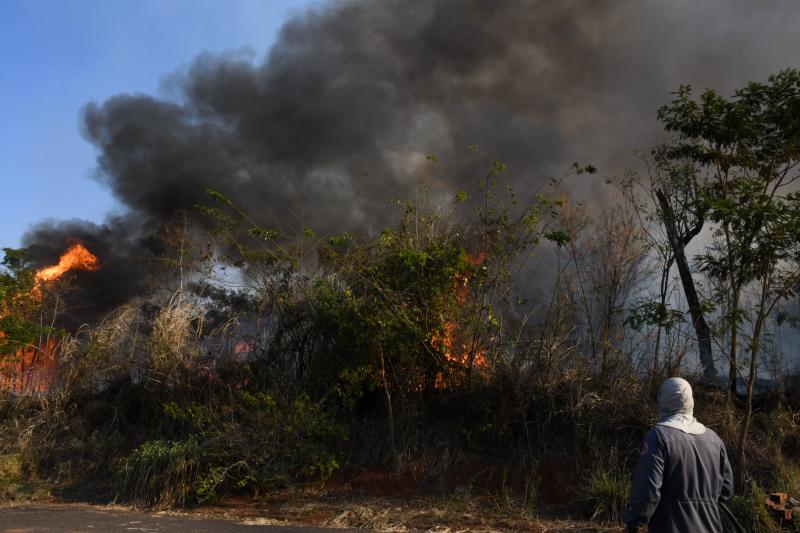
point(263, 233)
point(560, 237)
point(498, 167)
point(219, 197)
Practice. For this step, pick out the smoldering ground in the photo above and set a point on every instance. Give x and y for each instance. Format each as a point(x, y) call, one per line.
point(341, 112)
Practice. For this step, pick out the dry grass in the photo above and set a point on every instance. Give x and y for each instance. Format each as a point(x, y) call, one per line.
point(14, 485)
point(95, 356)
point(175, 331)
point(395, 515)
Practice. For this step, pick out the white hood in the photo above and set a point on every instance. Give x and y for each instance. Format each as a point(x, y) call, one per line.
point(676, 407)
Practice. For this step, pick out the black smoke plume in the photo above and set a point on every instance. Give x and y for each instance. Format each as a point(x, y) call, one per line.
point(341, 112)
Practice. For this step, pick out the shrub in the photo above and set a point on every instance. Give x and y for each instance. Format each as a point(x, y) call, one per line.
point(244, 440)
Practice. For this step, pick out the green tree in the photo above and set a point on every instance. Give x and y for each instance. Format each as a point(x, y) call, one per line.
point(22, 325)
point(742, 155)
point(18, 305)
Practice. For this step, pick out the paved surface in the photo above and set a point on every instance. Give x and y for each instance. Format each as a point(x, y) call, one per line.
point(74, 518)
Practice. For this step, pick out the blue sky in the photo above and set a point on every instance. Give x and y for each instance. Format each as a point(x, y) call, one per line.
point(58, 55)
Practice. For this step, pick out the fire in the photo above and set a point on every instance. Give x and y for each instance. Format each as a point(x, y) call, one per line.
point(77, 257)
point(477, 259)
point(459, 350)
point(31, 368)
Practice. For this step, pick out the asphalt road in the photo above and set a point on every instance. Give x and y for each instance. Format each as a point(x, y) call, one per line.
point(74, 518)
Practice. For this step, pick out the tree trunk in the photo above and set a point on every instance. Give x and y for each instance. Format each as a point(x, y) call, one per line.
point(663, 289)
point(741, 460)
point(733, 356)
point(698, 318)
point(755, 345)
point(389, 407)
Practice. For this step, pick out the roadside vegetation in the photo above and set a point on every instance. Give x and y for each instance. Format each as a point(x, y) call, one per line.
point(493, 346)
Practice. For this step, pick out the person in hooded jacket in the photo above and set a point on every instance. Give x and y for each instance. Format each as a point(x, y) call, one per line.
point(683, 471)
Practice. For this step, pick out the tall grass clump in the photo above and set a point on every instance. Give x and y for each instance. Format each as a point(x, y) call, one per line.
point(176, 329)
point(162, 473)
point(607, 491)
point(750, 511)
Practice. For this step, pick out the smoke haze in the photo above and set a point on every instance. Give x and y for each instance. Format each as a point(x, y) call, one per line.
point(341, 112)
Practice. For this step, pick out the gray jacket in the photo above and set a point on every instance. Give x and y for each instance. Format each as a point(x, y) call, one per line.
point(679, 481)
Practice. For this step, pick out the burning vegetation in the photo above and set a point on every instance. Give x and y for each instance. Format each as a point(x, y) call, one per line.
point(77, 257)
point(460, 347)
point(409, 354)
point(30, 365)
point(506, 344)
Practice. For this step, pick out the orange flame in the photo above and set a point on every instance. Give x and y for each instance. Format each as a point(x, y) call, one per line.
point(458, 351)
point(77, 257)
